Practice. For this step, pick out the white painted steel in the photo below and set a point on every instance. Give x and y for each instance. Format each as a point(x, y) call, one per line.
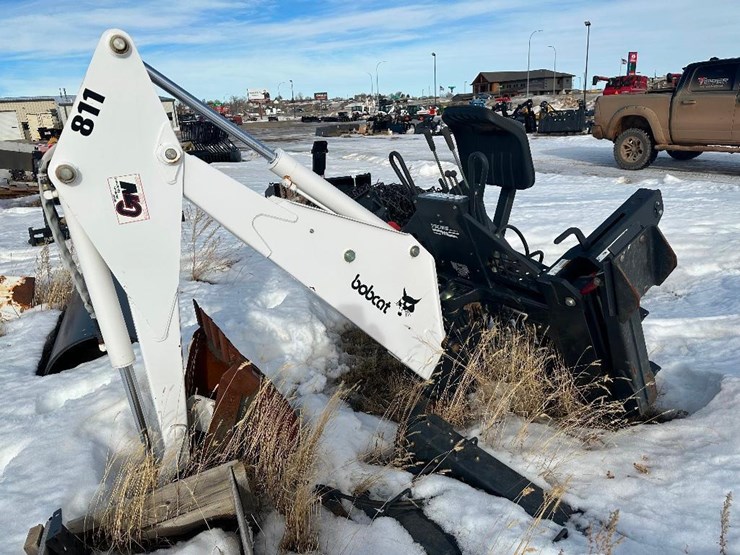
point(102, 294)
point(127, 199)
point(311, 244)
point(288, 168)
point(142, 250)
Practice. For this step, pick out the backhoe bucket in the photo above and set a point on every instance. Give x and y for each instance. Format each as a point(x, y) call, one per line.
point(216, 370)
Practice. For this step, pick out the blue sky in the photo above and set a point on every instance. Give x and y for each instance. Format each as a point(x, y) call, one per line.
point(219, 48)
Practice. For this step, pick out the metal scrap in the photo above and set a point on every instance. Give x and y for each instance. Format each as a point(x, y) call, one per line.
point(16, 295)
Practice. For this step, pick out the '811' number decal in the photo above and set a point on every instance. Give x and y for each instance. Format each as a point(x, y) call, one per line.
point(85, 125)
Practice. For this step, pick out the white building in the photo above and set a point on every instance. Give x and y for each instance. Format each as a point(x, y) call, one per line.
point(22, 117)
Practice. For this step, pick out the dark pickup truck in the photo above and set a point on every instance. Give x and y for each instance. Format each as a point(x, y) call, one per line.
point(702, 113)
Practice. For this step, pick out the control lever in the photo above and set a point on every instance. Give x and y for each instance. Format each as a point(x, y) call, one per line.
point(447, 134)
point(433, 148)
point(404, 176)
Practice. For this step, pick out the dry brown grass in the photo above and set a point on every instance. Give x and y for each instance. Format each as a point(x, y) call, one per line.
point(207, 251)
point(279, 452)
point(510, 372)
point(552, 500)
point(725, 524)
point(511, 376)
point(604, 539)
point(53, 282)
point(513, 372)
point(121, 502)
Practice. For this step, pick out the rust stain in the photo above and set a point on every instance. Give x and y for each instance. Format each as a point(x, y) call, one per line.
point(16, 294)
point(218, 370)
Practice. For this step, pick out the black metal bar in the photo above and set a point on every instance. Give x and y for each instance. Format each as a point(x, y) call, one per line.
point(439, 448)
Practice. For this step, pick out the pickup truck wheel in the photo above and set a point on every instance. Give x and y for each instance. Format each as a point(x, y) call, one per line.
point(683, 154)
point(633, 149)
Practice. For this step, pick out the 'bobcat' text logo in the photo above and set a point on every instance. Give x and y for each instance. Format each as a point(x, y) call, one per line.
point(368, 293)
point(130, 205)
point(406, 304)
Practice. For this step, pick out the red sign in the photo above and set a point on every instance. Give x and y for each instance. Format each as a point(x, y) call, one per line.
point(321, 96)
point(632, 63)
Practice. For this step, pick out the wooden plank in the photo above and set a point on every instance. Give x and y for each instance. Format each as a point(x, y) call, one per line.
point(33, 539)
point(186, 505)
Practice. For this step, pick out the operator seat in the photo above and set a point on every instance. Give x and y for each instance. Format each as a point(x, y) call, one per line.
point(504, 144)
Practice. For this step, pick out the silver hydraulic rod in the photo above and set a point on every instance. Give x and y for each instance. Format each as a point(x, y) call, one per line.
point(132, 393)
point(211, 115)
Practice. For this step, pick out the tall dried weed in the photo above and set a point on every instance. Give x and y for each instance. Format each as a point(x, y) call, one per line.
point(53, 282)
point(725, 524)
point(509, 372)
point(207, 251)
point(604, 539)
point(278, 450)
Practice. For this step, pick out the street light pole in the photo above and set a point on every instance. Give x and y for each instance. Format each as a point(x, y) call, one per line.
point(371, 84)
point(554, 68)
point(529, 51)
point(292, 98)
point(585, 73)
point(377, 87)
point(434, 56)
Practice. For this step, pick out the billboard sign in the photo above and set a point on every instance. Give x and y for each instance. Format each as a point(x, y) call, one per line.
point(632, 63)
point(321, 96)
point(258, 95)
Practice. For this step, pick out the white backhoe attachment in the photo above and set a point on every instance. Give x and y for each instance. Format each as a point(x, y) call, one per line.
point(121, 173)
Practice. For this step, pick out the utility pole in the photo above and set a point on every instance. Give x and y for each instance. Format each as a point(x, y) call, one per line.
point(434, 56)
point(529, 51)
point(371, 85)
point(554, 69)
point(585, 73)
point(377, 87)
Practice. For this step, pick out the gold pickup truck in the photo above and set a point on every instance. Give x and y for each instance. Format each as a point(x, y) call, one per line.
point(701, 114)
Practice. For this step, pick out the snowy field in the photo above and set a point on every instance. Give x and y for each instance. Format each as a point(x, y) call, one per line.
point(668, 481)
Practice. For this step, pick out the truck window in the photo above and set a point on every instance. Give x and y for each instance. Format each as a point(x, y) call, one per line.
point(713, 78)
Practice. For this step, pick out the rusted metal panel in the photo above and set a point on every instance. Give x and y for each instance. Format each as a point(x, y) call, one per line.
point(16, 294)
point(217, 369)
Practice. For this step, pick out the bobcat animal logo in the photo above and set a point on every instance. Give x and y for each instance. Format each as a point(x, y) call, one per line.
point(407, 304)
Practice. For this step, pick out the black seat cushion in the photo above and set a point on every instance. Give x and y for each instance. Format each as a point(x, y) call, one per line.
point(502, 141)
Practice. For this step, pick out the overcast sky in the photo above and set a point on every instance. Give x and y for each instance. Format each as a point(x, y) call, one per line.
point(219, 48)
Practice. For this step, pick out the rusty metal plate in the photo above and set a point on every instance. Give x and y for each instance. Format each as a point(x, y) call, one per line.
point(16, 295)
point(217, 369)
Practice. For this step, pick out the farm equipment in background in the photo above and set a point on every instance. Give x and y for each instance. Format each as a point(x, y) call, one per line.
point(524, 114)
point(208, 142)
point(411, 291)
point(623, 84)
point(561, 121)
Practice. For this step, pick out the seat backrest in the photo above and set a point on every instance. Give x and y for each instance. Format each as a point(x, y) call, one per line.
point(501, 140)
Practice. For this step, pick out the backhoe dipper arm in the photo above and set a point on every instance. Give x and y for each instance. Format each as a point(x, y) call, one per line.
point(121, 174)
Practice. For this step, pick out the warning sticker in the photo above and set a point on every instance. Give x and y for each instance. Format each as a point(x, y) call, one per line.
point(128, 198)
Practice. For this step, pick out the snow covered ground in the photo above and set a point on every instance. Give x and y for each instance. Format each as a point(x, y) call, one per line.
point(668, 481)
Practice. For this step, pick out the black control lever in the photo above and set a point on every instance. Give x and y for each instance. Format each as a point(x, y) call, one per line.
point(447, 134)
point(433, 148)
point(475, 193)
point(572, 231)
point(404, 176)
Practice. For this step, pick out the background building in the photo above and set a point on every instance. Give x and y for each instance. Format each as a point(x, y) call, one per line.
point(515, 82)
point(30, 118)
